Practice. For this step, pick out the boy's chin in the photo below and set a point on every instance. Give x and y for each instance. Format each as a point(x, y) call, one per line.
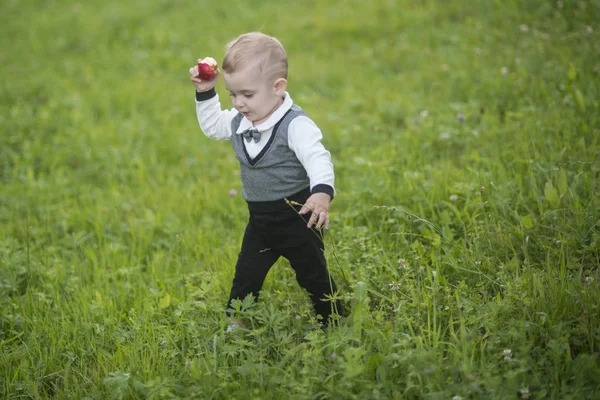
point(254, 118)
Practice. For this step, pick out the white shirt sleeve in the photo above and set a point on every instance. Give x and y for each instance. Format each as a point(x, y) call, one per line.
point(214, 122)
point(304, 138)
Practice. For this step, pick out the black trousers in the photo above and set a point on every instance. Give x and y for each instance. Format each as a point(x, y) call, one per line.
point(272, 234)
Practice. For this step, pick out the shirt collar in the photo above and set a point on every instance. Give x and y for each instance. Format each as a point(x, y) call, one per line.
point(271, 121)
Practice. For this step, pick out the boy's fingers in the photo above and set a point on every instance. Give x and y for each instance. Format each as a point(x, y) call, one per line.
point(325, 222)
point(312, 220)
point(321, 221)
point(304, 210)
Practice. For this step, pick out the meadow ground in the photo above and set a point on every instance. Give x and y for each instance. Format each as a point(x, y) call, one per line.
point(464, 237)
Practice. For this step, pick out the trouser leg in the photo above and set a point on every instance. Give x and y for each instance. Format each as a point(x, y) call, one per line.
point(254, 261)
point(307, 258)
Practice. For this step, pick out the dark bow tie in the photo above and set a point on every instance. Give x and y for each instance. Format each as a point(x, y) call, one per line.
point(250, 134)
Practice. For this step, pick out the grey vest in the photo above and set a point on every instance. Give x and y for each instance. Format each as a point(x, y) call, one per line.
point(275, 172)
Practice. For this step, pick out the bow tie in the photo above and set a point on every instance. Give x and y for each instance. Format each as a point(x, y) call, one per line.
point(250, 134)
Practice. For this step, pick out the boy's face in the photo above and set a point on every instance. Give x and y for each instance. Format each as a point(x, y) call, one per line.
point(253, 95)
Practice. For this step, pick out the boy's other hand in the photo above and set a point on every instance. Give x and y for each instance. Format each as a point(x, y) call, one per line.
point(202, 86)
point(318, 203)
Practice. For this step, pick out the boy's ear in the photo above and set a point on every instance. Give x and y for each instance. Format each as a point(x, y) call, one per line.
point(280, 85)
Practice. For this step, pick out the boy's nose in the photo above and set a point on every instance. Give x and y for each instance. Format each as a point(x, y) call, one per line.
point(238, 103)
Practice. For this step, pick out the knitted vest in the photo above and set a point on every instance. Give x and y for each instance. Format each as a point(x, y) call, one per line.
point(275, 172)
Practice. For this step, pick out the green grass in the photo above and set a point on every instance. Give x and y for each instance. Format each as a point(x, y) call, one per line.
point(466, 251)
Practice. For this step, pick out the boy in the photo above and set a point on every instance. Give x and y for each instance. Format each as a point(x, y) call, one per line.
point(281, 158)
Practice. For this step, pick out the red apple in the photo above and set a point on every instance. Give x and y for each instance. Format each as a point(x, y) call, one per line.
point(207, 68)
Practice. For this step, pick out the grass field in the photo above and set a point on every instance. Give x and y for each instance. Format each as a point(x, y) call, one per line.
point(465, 232)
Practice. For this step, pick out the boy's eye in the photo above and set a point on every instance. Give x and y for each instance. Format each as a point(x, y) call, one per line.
point(249, 95)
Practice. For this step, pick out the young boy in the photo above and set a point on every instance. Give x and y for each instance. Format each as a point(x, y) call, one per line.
point(281, 157)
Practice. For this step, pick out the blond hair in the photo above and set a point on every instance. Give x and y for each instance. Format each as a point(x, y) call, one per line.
point(256, 50)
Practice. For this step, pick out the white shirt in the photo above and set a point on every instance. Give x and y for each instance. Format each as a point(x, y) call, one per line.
point(304, 137)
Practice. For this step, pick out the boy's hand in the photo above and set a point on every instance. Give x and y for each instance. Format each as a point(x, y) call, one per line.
point(318, 203)
point(202, 86)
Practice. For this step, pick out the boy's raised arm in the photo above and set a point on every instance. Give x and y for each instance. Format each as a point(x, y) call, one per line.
point(214, 121)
